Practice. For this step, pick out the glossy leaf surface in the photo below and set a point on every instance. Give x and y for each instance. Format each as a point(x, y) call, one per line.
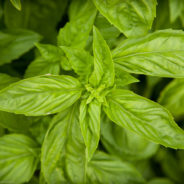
point(41, 95)
point(144, 117)
point(157, 54)
point(18, 158)
point(133, 18)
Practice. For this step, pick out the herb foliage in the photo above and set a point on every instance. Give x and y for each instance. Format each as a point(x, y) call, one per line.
point(79, 83)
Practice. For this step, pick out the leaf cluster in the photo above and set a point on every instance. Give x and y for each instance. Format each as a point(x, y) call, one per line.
point(91, 91)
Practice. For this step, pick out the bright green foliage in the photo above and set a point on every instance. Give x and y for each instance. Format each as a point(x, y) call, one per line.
point(76, 32)
point(119, 141)
point(79, 81)
point(154, 54)
point(90, 125)
point(144, 117)
point(105, 169)
point(103, 65)
point(169, 100)
point(16, 3)
point(18, 158)
point(48, 62)
point(14, 43)
point(40, 95)
point(62, 152)
point(108, 31)
point(176, 9)
point(6, 80)
point(80, 61)
point(133, 18)
point(123, 78)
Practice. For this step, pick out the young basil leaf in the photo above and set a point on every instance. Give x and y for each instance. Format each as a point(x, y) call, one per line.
point(81, 62)
point(123, 78)
point(103, 65)
point(90, 125)
point(133, 18)
point(63, 150)
point(158, 54)
point(144, 117)
point(50, 52)
point(14, 43)
point(6, 80)
point(40, 95)
point(172, 97)
point(36, 15)
point(18, 158)
point(108, 31)
point(176, 8)
point(16, 4)
point(78, 8)
point(76, 32)
point(106, 169)
point(48, 62)
point(41, 67)
point(125, 144)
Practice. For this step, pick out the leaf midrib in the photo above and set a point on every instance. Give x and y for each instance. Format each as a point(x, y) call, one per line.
point(142, 53)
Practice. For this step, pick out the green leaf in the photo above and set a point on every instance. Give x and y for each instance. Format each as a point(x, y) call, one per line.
point(41, 16)
point(90, 125)
point(158, 54)
point(6, 80)
point(63, 151)
point(76, 32)
point(39, 128)
point(133, 18)
point(176, 8)
point(15, 122)
point(103, 65)
point(125, 144)
point(171, 165)
point(108, 31)
point(123, 78)
point(18, 158)
point(172, 97)
point(162, 14)
point(40, 95)
point(50, 52)
point(106, 169)
point(48, 62)
point(144, 117)
point(14, 43)
point(42, 67)
point(16, 4)
point(81, 62)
